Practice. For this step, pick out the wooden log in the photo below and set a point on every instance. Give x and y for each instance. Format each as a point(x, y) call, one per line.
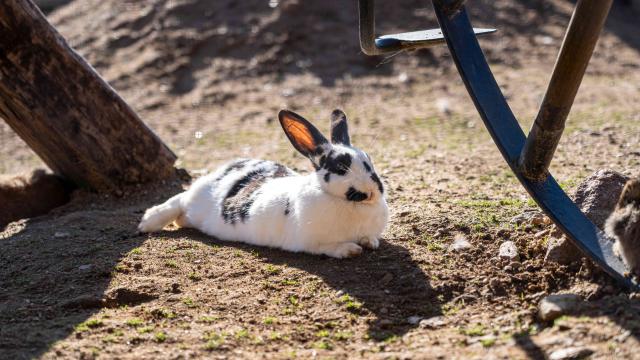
point(57, 103)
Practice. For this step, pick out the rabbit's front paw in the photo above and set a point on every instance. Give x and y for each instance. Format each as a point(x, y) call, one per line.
point(345, 250)
point(371, 243)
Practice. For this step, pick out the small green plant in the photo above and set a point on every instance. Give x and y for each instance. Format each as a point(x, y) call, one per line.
point(343, 335)
point(272, 270)
point(488, 342)
point(135, 251)
point(476, 330)
point(213, 344)
point(194, 276)
point(214, 340)
point(189, 302)
point(134, 322)
point(160, 337)
point(293, 300)
point(324, 345)
point(290, 282)
point(145, 329)
point(208, 319)
point(242, 334)
point(350, 303)
point(110, 339)
point(89, 324)
point(171, 264)
point(163, 313)
point(275, 336)
point(322, 333)
point(268, 320)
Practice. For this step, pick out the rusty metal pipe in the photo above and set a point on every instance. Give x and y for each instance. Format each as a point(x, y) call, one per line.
point(580, 39)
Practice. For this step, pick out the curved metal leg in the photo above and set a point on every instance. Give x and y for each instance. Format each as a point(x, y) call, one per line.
point(510, 139)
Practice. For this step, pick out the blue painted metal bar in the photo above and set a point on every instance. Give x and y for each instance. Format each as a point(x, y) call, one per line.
point(510, 139)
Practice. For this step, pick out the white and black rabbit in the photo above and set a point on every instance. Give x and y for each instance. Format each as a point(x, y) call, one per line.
point(334, 210)
point(624, 226)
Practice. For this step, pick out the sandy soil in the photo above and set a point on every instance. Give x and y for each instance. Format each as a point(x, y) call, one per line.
point(209, 78)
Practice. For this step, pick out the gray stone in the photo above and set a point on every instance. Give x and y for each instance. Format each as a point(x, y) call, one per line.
point(562, 251)
point(596, 196)
point(82, 301)
point(414, 320)
point(554, 306)
point(529, 217)
point(433, 322)
point(509, 251)
point(571, 353)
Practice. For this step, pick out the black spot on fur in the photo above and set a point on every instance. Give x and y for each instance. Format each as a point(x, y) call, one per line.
point(237, 203)
point(287, 208)
point(366, 166)
point(338, 164)
point(327, 177)
point(376, 179)
point(354, 195)
point(236, 165)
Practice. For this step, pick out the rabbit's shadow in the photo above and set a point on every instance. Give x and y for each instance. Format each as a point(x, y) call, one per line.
point(387, 282)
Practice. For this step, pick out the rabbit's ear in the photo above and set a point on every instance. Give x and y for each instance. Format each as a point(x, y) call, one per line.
point(304, 136)
point(339, 128)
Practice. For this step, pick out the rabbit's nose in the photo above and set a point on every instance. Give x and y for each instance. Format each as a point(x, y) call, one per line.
point(355, 195)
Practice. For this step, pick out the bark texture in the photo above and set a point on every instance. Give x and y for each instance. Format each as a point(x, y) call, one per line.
point(57, 103)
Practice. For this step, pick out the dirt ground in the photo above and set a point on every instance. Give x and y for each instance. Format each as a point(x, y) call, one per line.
point(209, 79)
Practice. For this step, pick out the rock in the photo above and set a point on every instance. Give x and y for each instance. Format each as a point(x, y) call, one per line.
point(84, 267)
point(386, 278)
point(125, 296)
point(414, 320)
point(509, 251)
point(529, 217)
point(570, 353)
point(554, 306)
point(60, 234)
point(598, 194)
point(433, 322)
point(460, 243)
point(541, 234)
point(562, 251)
point(83, 302)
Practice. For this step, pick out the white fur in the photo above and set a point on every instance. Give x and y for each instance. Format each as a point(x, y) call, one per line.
point(319, 222)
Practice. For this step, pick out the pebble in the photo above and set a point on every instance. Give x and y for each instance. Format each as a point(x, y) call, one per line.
point(84, 267)
point(509, 251)
point(61, 234)
point(554, 306)
point(529, 217)
point(460, 243)
point(386, 278)
point(414, 320)
point(433, 322)
point(570, 353)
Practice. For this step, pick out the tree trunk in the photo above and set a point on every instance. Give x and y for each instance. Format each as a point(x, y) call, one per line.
point(57, 103)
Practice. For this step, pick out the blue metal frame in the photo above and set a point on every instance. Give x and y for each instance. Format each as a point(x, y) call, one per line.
point(510, 139)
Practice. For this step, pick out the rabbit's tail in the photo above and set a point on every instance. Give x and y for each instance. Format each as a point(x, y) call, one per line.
point(159, 216)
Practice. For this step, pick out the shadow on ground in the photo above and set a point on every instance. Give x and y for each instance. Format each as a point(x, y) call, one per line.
point(56, 272)
point(387, 281)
